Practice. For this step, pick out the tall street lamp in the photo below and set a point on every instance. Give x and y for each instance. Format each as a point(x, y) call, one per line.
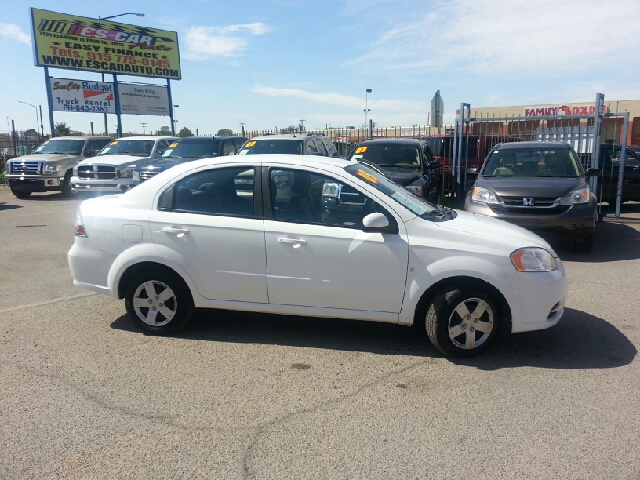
point(366, 109)
point(106, 128)
point(20, 101)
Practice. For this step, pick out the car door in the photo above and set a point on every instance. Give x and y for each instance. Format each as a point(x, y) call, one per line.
point(317, 253)
point(210, 223)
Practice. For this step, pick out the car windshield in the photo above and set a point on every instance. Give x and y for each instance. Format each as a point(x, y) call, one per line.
point(388, 155)
point(532, 162)
point(265, 146)
point(407, 199)
point(138, 148)
point(193, 149)
point(70, 147)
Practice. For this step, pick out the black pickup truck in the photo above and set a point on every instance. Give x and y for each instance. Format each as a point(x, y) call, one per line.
point(408, 162)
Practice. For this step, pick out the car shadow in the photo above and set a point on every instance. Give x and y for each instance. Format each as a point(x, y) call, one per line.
point(579, 341)
point(615, 239)
point(50, 197)
point(9, 206)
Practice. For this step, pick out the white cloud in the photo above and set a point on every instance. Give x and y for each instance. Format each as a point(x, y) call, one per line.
point(14, 32)
point(339, 99)
point(519, 37)
point(206, 42)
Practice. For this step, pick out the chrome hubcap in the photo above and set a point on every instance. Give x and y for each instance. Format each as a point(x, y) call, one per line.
point(155, 303)
point(471, 323)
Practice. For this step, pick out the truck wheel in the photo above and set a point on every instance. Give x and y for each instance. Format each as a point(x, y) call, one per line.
point(20, 193)
point(66, 185)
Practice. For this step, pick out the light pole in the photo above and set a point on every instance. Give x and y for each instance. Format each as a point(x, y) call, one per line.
point(366, 109)
point(302, 124)
point(144, 127)
point(20, 101)
point(106, 128)
point(242, 125)
point(175, 122)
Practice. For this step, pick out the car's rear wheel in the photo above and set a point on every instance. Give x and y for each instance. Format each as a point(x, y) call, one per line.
point(158, 301)
point(20, 193)
point(462, 322)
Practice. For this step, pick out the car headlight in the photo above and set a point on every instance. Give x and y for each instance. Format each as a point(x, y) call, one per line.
point(577, 196)
point(418, 190)
point(75, 171)
point(483, 195)
point(136, 176)
point(50, 168)
point(126, 172)
point(533, 259)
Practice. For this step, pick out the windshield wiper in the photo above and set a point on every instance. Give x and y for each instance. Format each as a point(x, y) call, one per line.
point(441, 213)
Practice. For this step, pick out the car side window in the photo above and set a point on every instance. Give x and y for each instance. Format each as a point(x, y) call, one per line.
point(220, 191)
point(303, 197)
point(320, 146)
point(312, 148)
point(228, 148)
point(93, 147)
point(330, 147)
point(162, 147)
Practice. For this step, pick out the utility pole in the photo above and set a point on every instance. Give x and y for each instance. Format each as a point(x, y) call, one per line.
point(302, 125)
point(242, 125)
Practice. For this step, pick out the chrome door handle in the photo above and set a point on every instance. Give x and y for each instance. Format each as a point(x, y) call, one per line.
point(292, 241)
point(177, 231)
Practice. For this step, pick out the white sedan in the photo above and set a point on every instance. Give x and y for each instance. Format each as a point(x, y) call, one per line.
point(318, 237)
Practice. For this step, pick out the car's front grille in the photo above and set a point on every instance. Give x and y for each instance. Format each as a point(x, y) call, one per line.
point(96, 172)
point(524, 206)
point(521, 202)
point(26, 168)
point(147, 175)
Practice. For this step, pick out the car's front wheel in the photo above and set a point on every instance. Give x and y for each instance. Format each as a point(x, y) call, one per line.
point(462, 322)
point(21, 193)
point(158, 301)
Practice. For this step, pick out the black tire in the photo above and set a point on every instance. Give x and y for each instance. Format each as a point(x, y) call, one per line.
point(21, 193)
point(585, 246)
point(66, 185)
point(172, 312)
point(443, 320)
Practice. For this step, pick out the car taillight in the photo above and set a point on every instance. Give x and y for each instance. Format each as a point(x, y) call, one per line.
point(80, 231)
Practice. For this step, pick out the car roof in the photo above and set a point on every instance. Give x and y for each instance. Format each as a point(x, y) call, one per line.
point(279, 158)
point(148, 137)
point(516, 145)
point(82, 137)
point(210, 138)
point(287, 136)
point(397, 141)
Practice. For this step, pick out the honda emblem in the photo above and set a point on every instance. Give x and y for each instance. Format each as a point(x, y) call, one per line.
point(527, 202)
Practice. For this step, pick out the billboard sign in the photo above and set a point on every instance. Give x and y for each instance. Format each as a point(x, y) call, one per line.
point(143, 99)
point(82, 96)
point(88, 44)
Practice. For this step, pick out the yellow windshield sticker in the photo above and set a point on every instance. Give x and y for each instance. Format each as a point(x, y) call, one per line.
point(361, 149)
point(250, 144)
point(113, 143)
point(173, 145)
point(367, 176)
point(46, 142)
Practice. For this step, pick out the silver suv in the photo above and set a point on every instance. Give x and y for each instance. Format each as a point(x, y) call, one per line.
point(290, 143)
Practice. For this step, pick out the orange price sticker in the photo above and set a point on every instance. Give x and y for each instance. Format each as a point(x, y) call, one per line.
point(173, 145)
point(361, 149)
point(113, 143)
point(250, 144)
point(367, 176)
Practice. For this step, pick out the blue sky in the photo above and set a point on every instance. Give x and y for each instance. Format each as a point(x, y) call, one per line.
point(271, 63)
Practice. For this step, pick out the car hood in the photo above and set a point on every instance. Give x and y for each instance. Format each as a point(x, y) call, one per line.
point(474, 232)
point(161, 165)
point(403, 176)
point(542, 187)
point(46, 157)
point(115, 160)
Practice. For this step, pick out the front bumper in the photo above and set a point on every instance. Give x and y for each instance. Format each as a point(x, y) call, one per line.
point(576, 223)
point(34, 183)
point(114, 185)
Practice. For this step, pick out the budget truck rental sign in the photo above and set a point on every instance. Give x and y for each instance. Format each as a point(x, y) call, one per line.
point(81, 43)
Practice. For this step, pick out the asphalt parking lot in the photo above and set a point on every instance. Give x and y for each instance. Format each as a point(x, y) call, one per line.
point(83, 394)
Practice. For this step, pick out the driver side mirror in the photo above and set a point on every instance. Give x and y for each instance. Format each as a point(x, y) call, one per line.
point(378, 222)
point(592, 172)
point(472, 173)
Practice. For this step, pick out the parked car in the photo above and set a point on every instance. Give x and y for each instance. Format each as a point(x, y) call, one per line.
point(408, 162)
point(49, 167)
point(186, 150)
point(111, 171)
point(217, 233)
point(290, 143)
point(609, 166)
point(540, 186)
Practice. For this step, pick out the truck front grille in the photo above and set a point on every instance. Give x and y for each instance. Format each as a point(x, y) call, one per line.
point(96, 172)
point(26, 168)
point(147, 175)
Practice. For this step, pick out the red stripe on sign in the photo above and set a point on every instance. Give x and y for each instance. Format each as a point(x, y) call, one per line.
point(109, 97)
point(91, 93)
